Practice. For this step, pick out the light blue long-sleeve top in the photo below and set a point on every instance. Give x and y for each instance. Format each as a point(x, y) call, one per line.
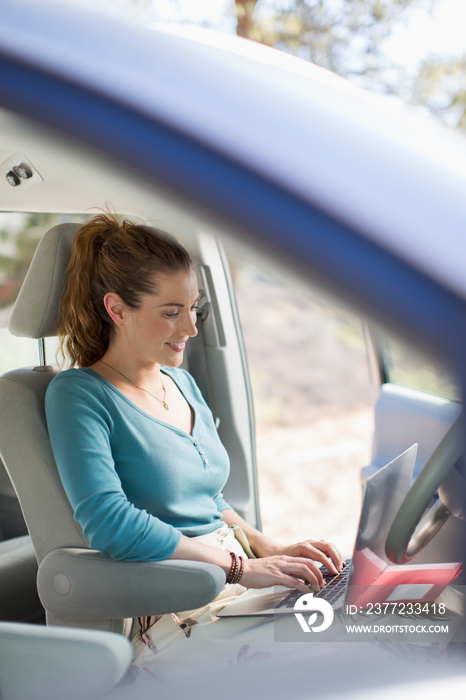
point(135, 482)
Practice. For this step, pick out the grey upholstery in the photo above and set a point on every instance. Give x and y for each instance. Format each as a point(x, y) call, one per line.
point(27, 454)
point(35, 314)
point(19, 601)
point(11, 518)
point(77, 586)
point(52, 664)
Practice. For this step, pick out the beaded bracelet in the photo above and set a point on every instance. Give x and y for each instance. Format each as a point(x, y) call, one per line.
point(241, 569)
point(233, 569)
point(236, 569)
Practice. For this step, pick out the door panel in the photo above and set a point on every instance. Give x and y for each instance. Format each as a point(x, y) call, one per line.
point(406, 415)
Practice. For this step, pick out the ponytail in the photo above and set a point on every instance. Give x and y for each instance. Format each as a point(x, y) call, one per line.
point(110, 256)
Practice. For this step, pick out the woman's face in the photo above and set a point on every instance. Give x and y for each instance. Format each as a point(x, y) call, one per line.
point(159, 329)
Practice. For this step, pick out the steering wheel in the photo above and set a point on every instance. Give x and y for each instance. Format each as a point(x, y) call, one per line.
point(408, 533)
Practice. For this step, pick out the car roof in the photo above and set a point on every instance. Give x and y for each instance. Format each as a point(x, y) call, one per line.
point(395, 179)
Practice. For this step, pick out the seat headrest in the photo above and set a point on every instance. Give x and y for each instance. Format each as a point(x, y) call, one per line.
point(36, 311)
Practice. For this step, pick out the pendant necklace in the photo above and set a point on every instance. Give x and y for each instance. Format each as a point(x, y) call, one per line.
point(162, 401)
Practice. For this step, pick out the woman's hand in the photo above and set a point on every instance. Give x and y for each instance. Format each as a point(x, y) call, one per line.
point(277, 564)
point(318, 550)
point(289, 569)
point(282, 570)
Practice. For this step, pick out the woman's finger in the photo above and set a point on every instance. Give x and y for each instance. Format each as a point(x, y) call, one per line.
point(309, 550)
point(306, 570)
point(330, 549)
point(326, 552)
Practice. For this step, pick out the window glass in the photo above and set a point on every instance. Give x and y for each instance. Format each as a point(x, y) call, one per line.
point(406, 366)
point(19, 236)
point(313, 400)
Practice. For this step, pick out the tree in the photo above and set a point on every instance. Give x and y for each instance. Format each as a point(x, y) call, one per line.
point(440, 85)
point(345, 36)
point(349, 37)
point(245, 17)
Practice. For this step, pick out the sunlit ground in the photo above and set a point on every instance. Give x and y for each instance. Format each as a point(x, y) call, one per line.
point(309, 478)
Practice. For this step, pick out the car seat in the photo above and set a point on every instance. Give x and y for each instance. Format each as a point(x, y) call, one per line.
point(11, 519)
point(77, 586)
point(52, 663)
point(19, 601)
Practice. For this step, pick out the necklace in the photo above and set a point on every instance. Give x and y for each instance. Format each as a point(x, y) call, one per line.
point(162, 401)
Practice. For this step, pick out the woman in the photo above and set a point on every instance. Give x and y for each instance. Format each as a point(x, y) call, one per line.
point(134, 441)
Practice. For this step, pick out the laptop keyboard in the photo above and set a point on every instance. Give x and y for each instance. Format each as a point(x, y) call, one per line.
point(335, 586)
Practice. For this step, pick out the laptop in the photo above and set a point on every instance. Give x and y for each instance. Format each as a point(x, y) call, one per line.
point(367, 577)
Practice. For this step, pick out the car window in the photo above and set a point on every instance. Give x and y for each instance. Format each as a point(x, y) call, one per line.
point(19, 236)
point(313, 398)
point(406, 366)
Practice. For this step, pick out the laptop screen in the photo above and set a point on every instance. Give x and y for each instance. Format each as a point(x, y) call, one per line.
point(383, 495)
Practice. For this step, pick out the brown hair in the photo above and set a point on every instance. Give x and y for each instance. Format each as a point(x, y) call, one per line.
point(110, 256)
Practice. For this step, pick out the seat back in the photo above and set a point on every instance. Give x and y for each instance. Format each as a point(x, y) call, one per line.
point(27, 454)
point(51, 664)
point(11, 519)
point(24, 443)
